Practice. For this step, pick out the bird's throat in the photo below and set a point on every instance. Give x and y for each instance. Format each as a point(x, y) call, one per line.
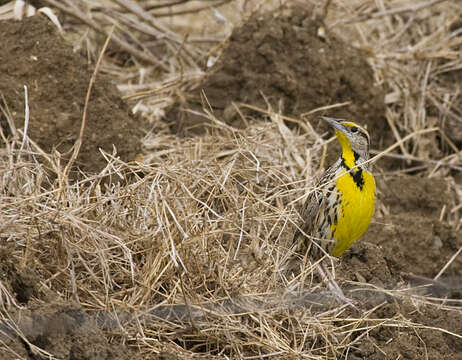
point(349, 157)
point(349, 161)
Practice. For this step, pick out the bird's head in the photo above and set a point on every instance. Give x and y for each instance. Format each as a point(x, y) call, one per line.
point(351, 136)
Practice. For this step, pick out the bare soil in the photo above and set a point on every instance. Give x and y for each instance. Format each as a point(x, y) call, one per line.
point(280, 58)
point(282, 62)
point(34, 55)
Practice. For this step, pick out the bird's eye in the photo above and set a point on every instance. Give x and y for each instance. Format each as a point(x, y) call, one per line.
point(354, 129)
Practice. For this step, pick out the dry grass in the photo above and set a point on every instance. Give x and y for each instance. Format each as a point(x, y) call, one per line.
point(206, 222)
point(411, 52)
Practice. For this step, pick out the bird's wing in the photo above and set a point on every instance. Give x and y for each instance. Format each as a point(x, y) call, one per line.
point(315, 203)
point(308, 213)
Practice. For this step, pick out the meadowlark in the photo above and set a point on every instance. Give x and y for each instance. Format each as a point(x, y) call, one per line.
point(339, 209)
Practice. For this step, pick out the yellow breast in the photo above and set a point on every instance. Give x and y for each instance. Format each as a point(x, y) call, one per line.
point(355, 210)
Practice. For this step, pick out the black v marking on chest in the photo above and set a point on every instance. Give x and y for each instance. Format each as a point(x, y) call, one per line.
point(356, 173)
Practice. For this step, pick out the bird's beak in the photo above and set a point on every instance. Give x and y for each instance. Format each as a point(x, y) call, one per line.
point(334, 123)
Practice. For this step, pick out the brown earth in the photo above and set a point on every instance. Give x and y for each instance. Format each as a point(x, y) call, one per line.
point(282, 61)
point(268, 55)
point(33, 54)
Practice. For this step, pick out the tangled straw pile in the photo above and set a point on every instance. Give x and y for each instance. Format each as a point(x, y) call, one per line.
point(209, 218)
point(193, 249)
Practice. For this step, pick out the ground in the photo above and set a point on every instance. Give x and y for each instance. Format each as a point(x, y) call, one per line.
point(57, 80)
point(275, 62)
point(282, 62)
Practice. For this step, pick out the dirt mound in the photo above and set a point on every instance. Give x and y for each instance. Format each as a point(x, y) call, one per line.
point(34, 54)
point(282, 57)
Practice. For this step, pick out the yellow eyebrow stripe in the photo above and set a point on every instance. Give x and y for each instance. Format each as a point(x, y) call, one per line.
point(348, 123)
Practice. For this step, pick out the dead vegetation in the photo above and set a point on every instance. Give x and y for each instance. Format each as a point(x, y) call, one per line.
point(188, 252)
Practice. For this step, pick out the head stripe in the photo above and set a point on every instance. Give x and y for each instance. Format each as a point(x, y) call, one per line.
point(362, 131)
point(348, 123)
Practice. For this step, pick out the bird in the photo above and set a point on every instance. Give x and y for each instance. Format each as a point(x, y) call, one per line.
point(339, 209)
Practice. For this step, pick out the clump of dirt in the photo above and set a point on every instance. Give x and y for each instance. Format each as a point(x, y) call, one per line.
point(282, 57)
point(35, 55)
